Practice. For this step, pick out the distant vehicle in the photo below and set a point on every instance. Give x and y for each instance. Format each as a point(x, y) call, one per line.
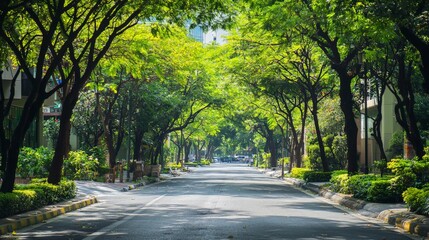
point(228, 159)
point(242, 158)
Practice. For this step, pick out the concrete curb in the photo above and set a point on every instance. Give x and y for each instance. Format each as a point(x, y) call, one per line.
point(13, 223)
point(405, 220)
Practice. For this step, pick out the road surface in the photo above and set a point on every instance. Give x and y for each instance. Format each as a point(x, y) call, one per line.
point(223, 201)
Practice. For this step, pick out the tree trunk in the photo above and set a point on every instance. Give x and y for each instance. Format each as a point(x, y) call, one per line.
point(351, 128)
point(377, 123)
point(423, 49)
point(62, 147)
point(29, 113)
point(325, 163)
point(272, 147)
point(12, 162)
point(138, 139)
point(297, 154)
point(187, 150)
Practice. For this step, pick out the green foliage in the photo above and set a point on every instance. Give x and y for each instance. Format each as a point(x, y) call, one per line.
point(421, 108)
point(204, 162)
point(335, 150)
point(35, 195)
point(417, 200)
point(340, 183)
point(34, 162)
point(299, 172)
point(262, 160)
point(313, 176)
point(381, 191)
point(338, 172)
point(410, 172)
point(191, 164)
point(395, 147)
point(51, 128)
point(380, 165)
point(174, 166)
point(52, 193)
point(359, 184)
point(313, 154)
point(80, 166)
point(284, 160)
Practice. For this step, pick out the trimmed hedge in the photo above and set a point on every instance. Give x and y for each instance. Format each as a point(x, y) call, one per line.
point(340, 183)
point(310, 176)
point(35, 195)
point(417, 200)
point(381, 191)
point(299, 172)
point(359, 185)
point(367, 187)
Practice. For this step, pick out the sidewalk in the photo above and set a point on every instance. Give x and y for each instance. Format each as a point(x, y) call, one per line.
point(394, 214)
point(12, 223)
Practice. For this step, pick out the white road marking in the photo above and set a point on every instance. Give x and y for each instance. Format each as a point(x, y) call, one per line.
point(125, 219)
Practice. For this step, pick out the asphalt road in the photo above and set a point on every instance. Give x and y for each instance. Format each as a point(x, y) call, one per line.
point(223, 201)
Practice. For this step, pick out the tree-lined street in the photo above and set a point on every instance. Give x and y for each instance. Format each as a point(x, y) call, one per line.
point(223, 201)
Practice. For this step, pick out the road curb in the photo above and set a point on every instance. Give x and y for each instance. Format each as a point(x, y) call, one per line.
point(41, 215)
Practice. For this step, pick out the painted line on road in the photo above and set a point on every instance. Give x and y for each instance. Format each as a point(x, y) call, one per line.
point(125, 219)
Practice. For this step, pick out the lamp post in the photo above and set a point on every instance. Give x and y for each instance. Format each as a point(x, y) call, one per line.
point(129, 137)
point(365, 102)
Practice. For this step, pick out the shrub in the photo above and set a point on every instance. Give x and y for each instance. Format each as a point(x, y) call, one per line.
point(265, 160)
point(313, 154)
point(52, 193)
point(34, 162)
point(10, 203)
point(299, 172)
point(338, 172)
point(174, 165)
point(284, 160)
point(313, 176)
point(35, 195)
point(396, 145)
point(417, 199)
point(80, 166)
point(381, 191)
point(191, 164)
point(339, 183)
point(381, 166)
point(204, 162)
point(359, 185)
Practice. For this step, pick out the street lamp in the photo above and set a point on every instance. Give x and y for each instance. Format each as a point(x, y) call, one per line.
point(361, 59)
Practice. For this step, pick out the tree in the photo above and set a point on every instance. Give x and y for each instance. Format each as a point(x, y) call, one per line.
point(301, 67)
point(410, 17)
point(65, 40)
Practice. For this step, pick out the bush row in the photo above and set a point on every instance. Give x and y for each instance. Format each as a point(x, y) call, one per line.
point(310, 176)
point(369, 187)
point(366, 187)
point(35, 195)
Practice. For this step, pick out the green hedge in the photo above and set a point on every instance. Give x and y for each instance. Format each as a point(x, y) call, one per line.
point(368, 187)
point(417, 200)
point(191, 164)
point(359, 185)
point(313, 176)
point(340, 183)
point(35, 195)
point(299, 172)
point(381, 191)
